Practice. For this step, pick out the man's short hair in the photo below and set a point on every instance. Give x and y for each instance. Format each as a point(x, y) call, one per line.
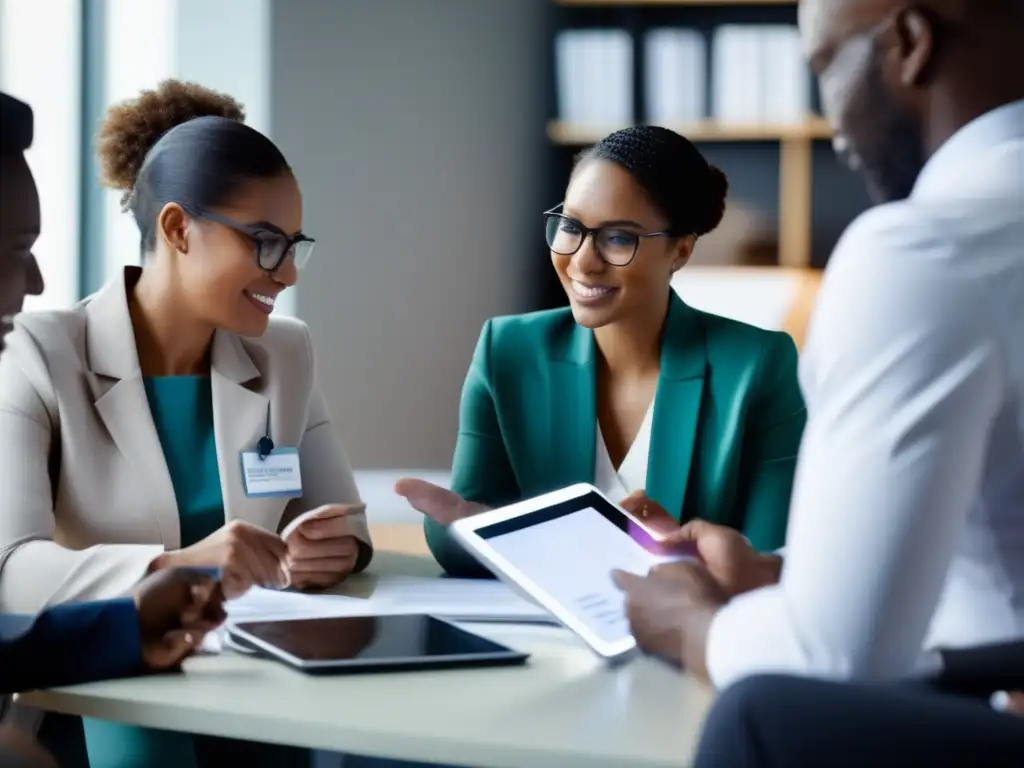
point(15, 125)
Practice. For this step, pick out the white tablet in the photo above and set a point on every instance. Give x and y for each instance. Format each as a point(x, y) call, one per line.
point(560, 550)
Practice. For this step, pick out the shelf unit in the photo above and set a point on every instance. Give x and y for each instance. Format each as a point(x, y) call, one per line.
point(675, 2)
point(796, 142)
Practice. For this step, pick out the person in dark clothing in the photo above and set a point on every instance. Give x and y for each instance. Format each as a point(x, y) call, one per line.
point(169, 613)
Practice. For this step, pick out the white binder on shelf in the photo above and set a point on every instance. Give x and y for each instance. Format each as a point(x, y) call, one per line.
point(594, 76)
point(736, 75)
point(759, 76)
point(785, 79)
point(675, 83)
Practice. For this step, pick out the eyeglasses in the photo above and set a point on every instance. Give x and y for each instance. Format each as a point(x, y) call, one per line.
point(616, 246)
point(272, 245)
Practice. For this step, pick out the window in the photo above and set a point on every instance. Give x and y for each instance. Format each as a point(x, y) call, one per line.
point(140, 52)
point(40, 63)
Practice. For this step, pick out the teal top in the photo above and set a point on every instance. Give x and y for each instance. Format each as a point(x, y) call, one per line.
point(182, 408)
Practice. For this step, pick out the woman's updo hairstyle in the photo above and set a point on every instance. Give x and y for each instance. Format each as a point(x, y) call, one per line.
point(180, 143)
point(689, 191)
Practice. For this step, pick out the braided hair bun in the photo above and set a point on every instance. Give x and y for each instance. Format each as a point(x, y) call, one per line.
point(688, 190)
point(133, 127)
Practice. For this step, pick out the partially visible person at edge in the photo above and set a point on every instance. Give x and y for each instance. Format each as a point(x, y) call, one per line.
point(127, 422)
point(628, 388)
point(168, 614)
point(907, 529)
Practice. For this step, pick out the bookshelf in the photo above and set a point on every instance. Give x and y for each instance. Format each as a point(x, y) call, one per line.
point(577, 135)
point(779, 164)
point(674, 2)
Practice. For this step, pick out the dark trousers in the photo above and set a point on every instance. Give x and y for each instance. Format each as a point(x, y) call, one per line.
point(789, 722)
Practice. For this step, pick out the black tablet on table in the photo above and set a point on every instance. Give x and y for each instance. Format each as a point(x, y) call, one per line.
point(372, 644)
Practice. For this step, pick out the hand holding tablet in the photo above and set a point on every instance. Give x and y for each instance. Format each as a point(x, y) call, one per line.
point(651, 513)
point(561, 549)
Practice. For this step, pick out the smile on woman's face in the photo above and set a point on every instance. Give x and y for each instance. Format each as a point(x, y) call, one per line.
point(225, 284)
point(602, 193)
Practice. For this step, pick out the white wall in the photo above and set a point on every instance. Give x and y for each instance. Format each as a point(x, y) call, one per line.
point(416, 132)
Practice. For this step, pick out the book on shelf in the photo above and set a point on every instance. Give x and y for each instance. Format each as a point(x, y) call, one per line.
point(595, 76)
point(675, 86)
point(759, 75)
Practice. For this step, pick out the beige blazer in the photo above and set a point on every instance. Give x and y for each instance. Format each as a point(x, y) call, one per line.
point(86, 500)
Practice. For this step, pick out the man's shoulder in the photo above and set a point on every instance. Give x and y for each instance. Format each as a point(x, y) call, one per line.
point(908, 272)
point(957, 254)
point(945, 235)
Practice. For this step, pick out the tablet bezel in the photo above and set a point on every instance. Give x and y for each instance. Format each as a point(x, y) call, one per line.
point(507, 656)
point(466, 532)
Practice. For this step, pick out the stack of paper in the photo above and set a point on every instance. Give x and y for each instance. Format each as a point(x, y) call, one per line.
point(594, 74)
point(483, 600)
point(676, 76)
point(759, 75)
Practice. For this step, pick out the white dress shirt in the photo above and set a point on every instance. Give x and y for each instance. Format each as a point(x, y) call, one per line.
point(907, 522)
point(631, 475)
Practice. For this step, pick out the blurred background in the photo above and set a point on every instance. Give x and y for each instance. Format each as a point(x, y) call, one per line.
point(428, 136)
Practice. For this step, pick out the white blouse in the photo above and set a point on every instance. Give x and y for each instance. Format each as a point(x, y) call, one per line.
point(632, 473)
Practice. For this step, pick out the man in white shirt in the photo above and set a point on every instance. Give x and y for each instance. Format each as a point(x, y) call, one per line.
point(907, 519)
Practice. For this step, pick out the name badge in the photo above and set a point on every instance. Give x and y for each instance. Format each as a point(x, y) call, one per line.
point(277, 474)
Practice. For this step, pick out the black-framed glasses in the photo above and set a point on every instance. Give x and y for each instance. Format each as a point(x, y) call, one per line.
point(616, 245)
point(271, 244)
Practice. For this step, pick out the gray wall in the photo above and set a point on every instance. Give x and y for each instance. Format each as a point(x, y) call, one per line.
point(416, 131)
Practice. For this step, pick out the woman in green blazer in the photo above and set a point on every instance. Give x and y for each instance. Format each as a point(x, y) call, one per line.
point(629, 388)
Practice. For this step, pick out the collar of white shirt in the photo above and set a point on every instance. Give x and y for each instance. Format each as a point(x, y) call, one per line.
point(998, 125)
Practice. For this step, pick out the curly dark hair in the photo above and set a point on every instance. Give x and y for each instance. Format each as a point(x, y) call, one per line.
point(180, 143)
point(686, 188)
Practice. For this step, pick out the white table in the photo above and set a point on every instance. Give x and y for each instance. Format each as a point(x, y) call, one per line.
point(564, 708)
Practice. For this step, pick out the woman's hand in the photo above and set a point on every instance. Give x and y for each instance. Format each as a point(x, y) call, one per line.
point(321, 548)
point(435, 502)
point(246, 555)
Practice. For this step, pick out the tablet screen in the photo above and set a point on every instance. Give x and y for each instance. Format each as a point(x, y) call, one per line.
point(569, 551)
point(369, 638)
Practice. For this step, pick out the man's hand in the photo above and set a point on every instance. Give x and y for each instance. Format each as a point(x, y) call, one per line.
point(736, 565)
point(670, 611)
point(436, 502)
point(321, 548)
point(650, 512)
point(1015, 703)
point(176, 607)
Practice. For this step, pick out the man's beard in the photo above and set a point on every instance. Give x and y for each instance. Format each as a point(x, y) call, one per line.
point(890, 153)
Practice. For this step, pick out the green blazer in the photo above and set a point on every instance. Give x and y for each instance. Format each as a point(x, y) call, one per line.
point(727, 422)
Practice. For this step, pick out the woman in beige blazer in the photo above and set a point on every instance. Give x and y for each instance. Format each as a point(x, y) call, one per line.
point(126, 420)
